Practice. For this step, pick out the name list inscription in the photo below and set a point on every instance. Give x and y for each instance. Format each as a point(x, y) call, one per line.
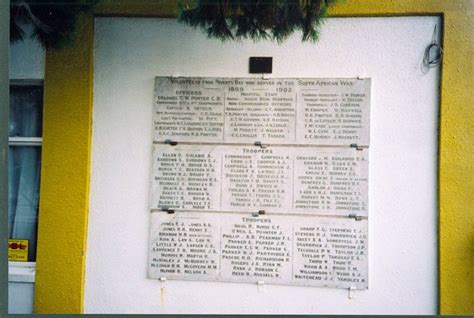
point(278, 249)
point(329, 181)
point(245, 110)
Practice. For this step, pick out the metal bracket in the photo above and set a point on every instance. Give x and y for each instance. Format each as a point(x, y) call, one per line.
point(355, 217)
point(352, 290)
point(162, 290)
point(170, 142)
point(259, 144)
point(357, 147)
point(261, 286)
point(260, 212)
point(167, 210)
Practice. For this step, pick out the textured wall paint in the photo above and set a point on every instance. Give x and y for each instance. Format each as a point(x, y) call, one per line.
point(65, 177)
point(456, 148)
point(402, 169)
point(137, 8)
point(457, 166)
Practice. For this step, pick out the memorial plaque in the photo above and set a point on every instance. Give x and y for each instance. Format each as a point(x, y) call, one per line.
point(188, 109)
point(318, 181)
point(186, 177)
point(334, 111)
point(245, 110)
point(183, 246)
point(291, 209)
point(277, 249)
point(331, 181)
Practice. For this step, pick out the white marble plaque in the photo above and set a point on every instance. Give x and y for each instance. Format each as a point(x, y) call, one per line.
point(277, 249)
point(334, 111)
point(292, 211)
point(188, 109)
point(331, 181)
point(186, 177)
point(244, 110)
point(297, 180)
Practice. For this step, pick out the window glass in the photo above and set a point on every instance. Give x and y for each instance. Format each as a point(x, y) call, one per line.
point(24, 161)
point(23, 195)
point(26, 111)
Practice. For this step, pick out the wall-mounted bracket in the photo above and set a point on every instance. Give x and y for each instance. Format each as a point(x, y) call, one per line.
point(260, 212)
point(352, 290)
point(171, 142)
point(355, 217)
point(357, 147)
point(167, 210)
point(261, 286)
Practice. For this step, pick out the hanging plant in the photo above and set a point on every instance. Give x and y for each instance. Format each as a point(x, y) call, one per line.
point(255, 19)
point(54, 22)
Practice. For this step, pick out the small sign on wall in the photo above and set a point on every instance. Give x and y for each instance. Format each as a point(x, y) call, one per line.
point(18, 250)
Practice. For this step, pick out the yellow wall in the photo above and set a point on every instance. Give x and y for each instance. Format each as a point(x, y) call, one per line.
point(62, 226)
point(67, 134)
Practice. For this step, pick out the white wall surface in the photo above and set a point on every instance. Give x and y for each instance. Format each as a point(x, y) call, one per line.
point(20, 298)
point(130, 52)
point(21, 278)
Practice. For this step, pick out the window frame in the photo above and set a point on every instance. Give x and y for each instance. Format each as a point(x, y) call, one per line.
point(24, 272)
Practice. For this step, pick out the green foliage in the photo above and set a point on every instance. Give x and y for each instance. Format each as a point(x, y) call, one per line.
point(256, 19)
point(54, 22)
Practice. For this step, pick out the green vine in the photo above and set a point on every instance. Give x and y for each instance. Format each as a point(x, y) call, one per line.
point(54, 22)
point(255, 19)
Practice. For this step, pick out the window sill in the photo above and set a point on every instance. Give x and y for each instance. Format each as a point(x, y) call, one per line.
point(21, 272)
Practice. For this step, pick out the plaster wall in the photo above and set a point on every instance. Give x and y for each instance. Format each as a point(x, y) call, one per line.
point(20, 297)
point(130, 52)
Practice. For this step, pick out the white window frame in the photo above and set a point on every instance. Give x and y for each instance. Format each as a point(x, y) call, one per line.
point(23, 272)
